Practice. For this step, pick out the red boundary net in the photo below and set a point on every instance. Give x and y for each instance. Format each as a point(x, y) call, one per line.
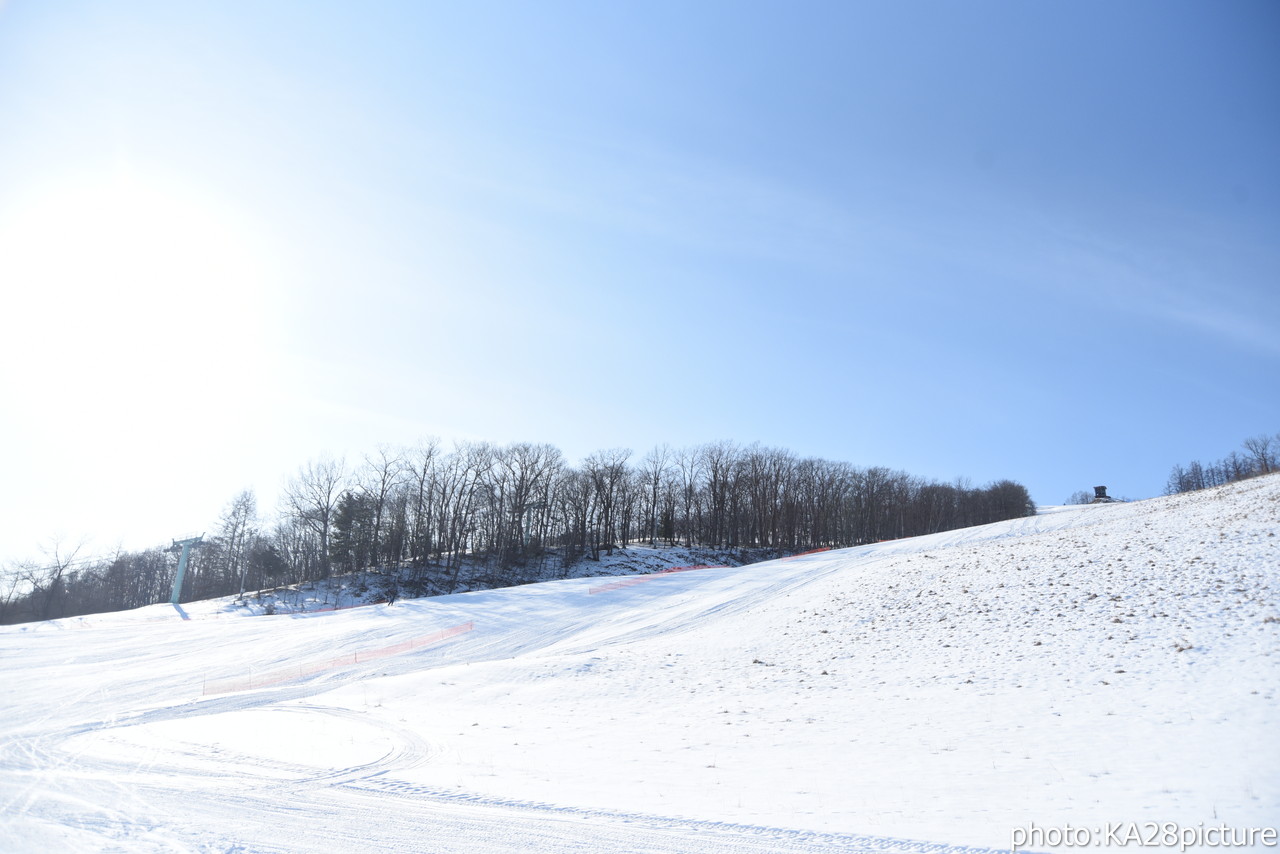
point(641, 579)
point(288, 674)
point(802, 554)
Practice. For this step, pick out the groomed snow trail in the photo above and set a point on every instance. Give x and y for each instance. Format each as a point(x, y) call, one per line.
point(1100, 664)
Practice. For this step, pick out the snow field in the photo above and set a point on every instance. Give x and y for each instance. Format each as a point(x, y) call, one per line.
point(1090, 665)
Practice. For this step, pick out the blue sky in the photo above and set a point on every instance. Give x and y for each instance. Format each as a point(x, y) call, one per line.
point(981, 239)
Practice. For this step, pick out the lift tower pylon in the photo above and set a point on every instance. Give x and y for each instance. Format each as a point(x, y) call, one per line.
point(186, 546)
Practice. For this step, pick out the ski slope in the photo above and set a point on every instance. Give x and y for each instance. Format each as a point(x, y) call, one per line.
point(1090, 665)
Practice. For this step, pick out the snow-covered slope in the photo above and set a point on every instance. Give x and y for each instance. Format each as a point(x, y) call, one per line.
point(1089, 666)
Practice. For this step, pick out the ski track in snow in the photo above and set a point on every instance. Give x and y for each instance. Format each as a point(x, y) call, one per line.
point(1099, 663)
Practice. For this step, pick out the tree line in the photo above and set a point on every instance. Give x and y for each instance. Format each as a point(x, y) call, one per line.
point(1258, 455)
point(430, 519)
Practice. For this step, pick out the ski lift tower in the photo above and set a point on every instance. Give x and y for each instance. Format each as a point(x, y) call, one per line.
point(185, 545)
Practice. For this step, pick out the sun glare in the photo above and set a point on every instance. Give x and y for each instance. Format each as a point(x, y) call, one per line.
point(123, 288)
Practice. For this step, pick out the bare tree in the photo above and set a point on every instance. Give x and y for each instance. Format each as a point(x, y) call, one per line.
point(238, 521)
point(311, 497)
point(47, 583)
point(422, 465)
point(1261, 449)
point(654, 469)
point(459, 477)
point(576, 500)
point(689, 464)
point(12, 589)
point(529, 469)
point(382, 473)
point(720, 461)
point(766, 479)
point(608, 472)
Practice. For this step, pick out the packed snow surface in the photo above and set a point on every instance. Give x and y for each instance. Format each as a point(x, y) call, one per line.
point(1087, 666)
